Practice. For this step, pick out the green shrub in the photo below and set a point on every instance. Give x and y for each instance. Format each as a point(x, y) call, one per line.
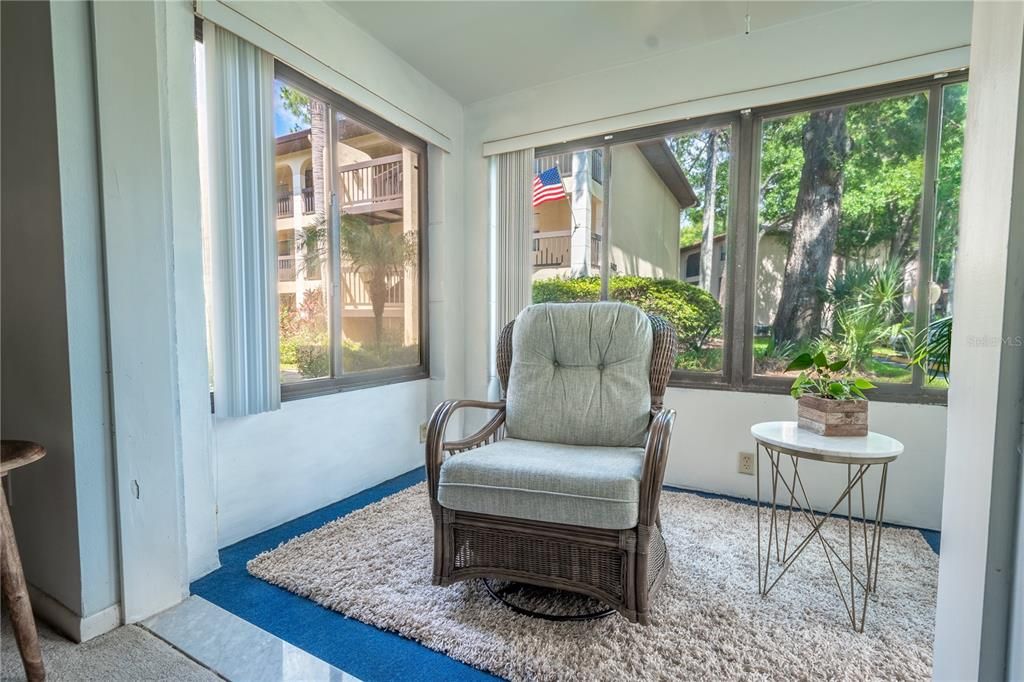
point(289, 348)
point(313, 356)
point(359, 358)
point(694, 313)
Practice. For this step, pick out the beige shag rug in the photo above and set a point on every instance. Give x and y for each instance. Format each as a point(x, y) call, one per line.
point(710, 623)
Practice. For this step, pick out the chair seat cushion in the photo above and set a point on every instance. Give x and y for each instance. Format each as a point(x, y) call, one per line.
point(596, 487)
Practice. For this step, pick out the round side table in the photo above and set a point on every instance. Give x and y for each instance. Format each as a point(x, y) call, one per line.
point(14, 454)
point(859, 454)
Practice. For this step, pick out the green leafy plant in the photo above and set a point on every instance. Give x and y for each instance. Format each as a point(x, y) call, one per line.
point(826, 379)
point(357, 357)
point(866, 304)
point(771, 355)
point(694, 313)
point(374, 253)
point(304, 339)
point(932, 351)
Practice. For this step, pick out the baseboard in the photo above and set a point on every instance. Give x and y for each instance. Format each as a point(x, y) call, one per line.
point(69, 623)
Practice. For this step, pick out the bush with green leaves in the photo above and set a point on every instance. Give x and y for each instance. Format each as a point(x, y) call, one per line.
point(865, 301)
point(313, 356)
point(357, 357)
point(694, 313)
point(933, 348)
point(826, 378)
point(303, 336)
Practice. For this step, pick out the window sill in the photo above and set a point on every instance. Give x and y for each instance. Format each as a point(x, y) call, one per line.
point(885, 393)
point(352, 382)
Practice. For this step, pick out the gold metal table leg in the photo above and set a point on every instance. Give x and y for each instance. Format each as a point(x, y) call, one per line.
point(816, 520)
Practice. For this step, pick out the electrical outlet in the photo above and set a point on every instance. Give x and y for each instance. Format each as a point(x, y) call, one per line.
point(746, 463)
point(423, 432)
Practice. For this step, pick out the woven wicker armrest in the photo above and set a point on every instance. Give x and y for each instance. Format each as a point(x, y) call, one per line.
point(436, 444)
point(655, 458)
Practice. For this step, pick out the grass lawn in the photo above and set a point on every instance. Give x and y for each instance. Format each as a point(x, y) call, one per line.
point(884, 371)
point(703, 360)
point(888, 365)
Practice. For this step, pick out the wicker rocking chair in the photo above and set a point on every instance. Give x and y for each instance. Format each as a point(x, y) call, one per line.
point(560, 488)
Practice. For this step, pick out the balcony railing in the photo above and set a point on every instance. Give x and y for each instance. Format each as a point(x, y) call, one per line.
point(374, 185)
point(596, 165)
point(284, 206)
point(554, 249)
point(308, 205)
point(285, 269)
point(562, 161)
point(357, 293)
point(564, 164)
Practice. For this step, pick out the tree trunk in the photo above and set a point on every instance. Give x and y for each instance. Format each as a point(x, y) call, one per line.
point(318, 143)
point(815, 226)
point(378, 291)
point(901, 243)
point(708, 233)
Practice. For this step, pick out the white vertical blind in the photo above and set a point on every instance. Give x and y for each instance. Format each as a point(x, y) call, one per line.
point(512, 215)
point(513, 234)
point(239, 96)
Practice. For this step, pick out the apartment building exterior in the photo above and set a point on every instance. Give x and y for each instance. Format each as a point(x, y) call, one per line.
point(376, 181)
point(645, 204)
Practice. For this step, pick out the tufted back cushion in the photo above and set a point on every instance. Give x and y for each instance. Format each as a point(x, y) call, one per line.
point(580, 374)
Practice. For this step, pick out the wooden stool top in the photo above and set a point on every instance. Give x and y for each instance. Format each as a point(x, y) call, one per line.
point(18, 453)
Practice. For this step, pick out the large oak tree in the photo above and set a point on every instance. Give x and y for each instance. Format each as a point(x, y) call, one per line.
point(815, 225)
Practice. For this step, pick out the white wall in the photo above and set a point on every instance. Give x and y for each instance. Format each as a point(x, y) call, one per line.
point(189, 315)
point(313, 38)
point(1015, 659)
point(273, 467)
point(713, 427)
point(855, 46)
point(86, 312)
point(149, 181)
point(54, 331)
point(984, 431)
point(813, 56)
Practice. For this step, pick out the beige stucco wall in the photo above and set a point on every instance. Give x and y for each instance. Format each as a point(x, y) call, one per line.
point(771, 266)
point(717, 268)
point(552, 216)
point(644, 223)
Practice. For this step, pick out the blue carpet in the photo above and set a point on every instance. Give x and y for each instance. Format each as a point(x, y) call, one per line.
point(356, 648)
point(359, 649)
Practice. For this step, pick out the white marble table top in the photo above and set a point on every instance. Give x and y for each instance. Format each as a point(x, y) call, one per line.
point(873, 448)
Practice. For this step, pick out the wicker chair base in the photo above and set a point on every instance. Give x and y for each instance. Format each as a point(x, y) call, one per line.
point(621, 568)
point(499, 596)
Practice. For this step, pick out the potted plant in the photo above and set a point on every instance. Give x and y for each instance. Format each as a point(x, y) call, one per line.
point(830, 400)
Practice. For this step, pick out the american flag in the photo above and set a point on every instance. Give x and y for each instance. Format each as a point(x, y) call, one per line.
point(547, 186)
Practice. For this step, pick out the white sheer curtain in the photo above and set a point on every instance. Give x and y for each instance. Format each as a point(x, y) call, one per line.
point(240, 135)
point(512, 218)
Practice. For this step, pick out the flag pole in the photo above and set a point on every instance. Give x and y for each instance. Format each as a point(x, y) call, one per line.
point(572, 213)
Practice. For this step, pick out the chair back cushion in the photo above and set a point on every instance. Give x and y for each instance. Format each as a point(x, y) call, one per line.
point(580, 374)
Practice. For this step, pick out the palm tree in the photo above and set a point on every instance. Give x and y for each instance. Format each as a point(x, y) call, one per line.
point(375, 252)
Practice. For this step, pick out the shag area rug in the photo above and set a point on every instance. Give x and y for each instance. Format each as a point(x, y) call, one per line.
point(709, 621)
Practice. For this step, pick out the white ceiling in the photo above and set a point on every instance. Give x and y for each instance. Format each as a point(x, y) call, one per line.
point(479, 49)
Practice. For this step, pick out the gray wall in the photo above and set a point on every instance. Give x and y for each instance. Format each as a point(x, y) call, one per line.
point(36, 382)
point(53, 338)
